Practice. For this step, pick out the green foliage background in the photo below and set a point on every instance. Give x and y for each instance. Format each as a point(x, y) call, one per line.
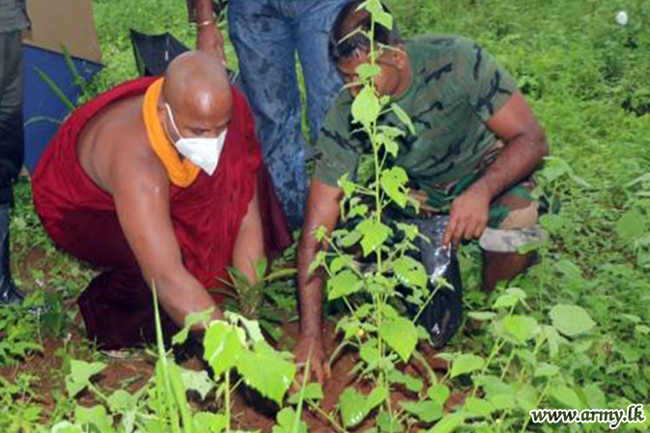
point(588, 80)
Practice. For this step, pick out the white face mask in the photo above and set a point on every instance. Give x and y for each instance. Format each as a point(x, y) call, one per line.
point(203, 152)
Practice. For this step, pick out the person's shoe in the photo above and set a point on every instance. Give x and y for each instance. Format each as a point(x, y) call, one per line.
point(9, 293)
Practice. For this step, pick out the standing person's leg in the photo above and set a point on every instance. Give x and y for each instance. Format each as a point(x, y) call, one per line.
point(11, 149)
point(312, 28)
point(266, 50)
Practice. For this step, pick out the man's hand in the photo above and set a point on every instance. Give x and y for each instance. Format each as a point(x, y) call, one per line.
point(209, 38)
point(318, 364)
point(469, 215)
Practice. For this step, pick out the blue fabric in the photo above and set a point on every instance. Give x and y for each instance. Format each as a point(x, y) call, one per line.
point(267, 35)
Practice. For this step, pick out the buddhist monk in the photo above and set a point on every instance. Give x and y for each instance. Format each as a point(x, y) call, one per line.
point(159, 182)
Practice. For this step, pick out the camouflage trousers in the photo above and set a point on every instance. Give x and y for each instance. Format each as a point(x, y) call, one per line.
point(512, 220)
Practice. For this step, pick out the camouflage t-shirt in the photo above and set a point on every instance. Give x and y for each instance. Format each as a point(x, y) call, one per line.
point(457, 87)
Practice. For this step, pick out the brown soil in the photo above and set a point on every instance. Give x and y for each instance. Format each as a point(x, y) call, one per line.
point(249, 410)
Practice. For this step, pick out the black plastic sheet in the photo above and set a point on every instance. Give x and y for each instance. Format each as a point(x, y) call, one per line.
point(442, 316)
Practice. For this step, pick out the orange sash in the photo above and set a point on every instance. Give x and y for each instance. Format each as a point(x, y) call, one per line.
point(181, 172)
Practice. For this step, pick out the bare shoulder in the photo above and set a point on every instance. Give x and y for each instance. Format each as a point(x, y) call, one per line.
point(116, 152)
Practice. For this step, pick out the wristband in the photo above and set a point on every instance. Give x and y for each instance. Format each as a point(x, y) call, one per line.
point(205, 23)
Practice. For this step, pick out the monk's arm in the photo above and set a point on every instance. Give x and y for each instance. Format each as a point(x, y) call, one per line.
point(141, 194)
point(249, 247)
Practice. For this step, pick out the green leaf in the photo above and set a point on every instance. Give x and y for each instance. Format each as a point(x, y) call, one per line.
point(394, 182)
point(341, 262)
point(365, 107)
point(410, 272)
point(377, 396)
point(289, 422)
point(502, 401)
point(351, 238)
point(223, 347)
point(410, 230)
point(366, 71)
point(66, 427)
point(571, 320)
point(403, 117)
point(353, 407)
point(482, 316)
point(267, 371)
point(466, 363)
point(378, 14)
point(374, 235)
point(369, 352)
point(313, 391)
point(448, 424)
point(252, 327)
point(595, 396)
point(209, 422)
point(527, 397)
point(121, 401)
point(191, 320)
point(80, 374)
point(319, 260)
point(439, 393)
point(342, 284)
point(280, 273)
point(631, 225)
point(566, 397)
point(546, 370)
point(198, 381)
point(522, 328)
point(505, 301)
point(413, 384)
point(348, 188)
point(55, 89)
point(478, 407)
point(96, 417)
point(426, 411)
point(553, 339)
point(552, 222)
point(401, 335)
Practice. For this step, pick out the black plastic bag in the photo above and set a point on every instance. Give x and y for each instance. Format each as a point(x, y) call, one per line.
point(154, 52)
point(442, 316)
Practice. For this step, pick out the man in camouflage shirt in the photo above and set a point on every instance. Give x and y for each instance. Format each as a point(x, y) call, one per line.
point(475, 147)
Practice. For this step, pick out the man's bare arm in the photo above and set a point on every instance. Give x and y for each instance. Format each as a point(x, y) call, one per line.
point(249, 247)
point(140, 189)
point(208, 36)
point(322, 210)
point(525, 147)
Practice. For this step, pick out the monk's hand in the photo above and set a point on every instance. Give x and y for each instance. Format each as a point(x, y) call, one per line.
point(318, 363)
point(209, 38)
point(469, 215)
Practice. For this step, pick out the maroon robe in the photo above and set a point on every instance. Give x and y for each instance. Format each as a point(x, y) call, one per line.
point(117, 306)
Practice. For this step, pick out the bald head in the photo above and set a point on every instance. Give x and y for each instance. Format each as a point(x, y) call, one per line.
point(197, 89)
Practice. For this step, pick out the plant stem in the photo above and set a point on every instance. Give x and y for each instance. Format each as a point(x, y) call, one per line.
point(327, 416)
point(227, 399)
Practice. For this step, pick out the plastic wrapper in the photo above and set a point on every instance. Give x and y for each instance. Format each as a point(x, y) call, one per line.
point(442, 315)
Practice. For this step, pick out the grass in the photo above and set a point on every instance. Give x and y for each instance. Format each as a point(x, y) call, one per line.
point(586, 78)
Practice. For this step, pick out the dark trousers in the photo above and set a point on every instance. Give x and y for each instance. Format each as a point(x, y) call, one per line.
point(11, 112)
